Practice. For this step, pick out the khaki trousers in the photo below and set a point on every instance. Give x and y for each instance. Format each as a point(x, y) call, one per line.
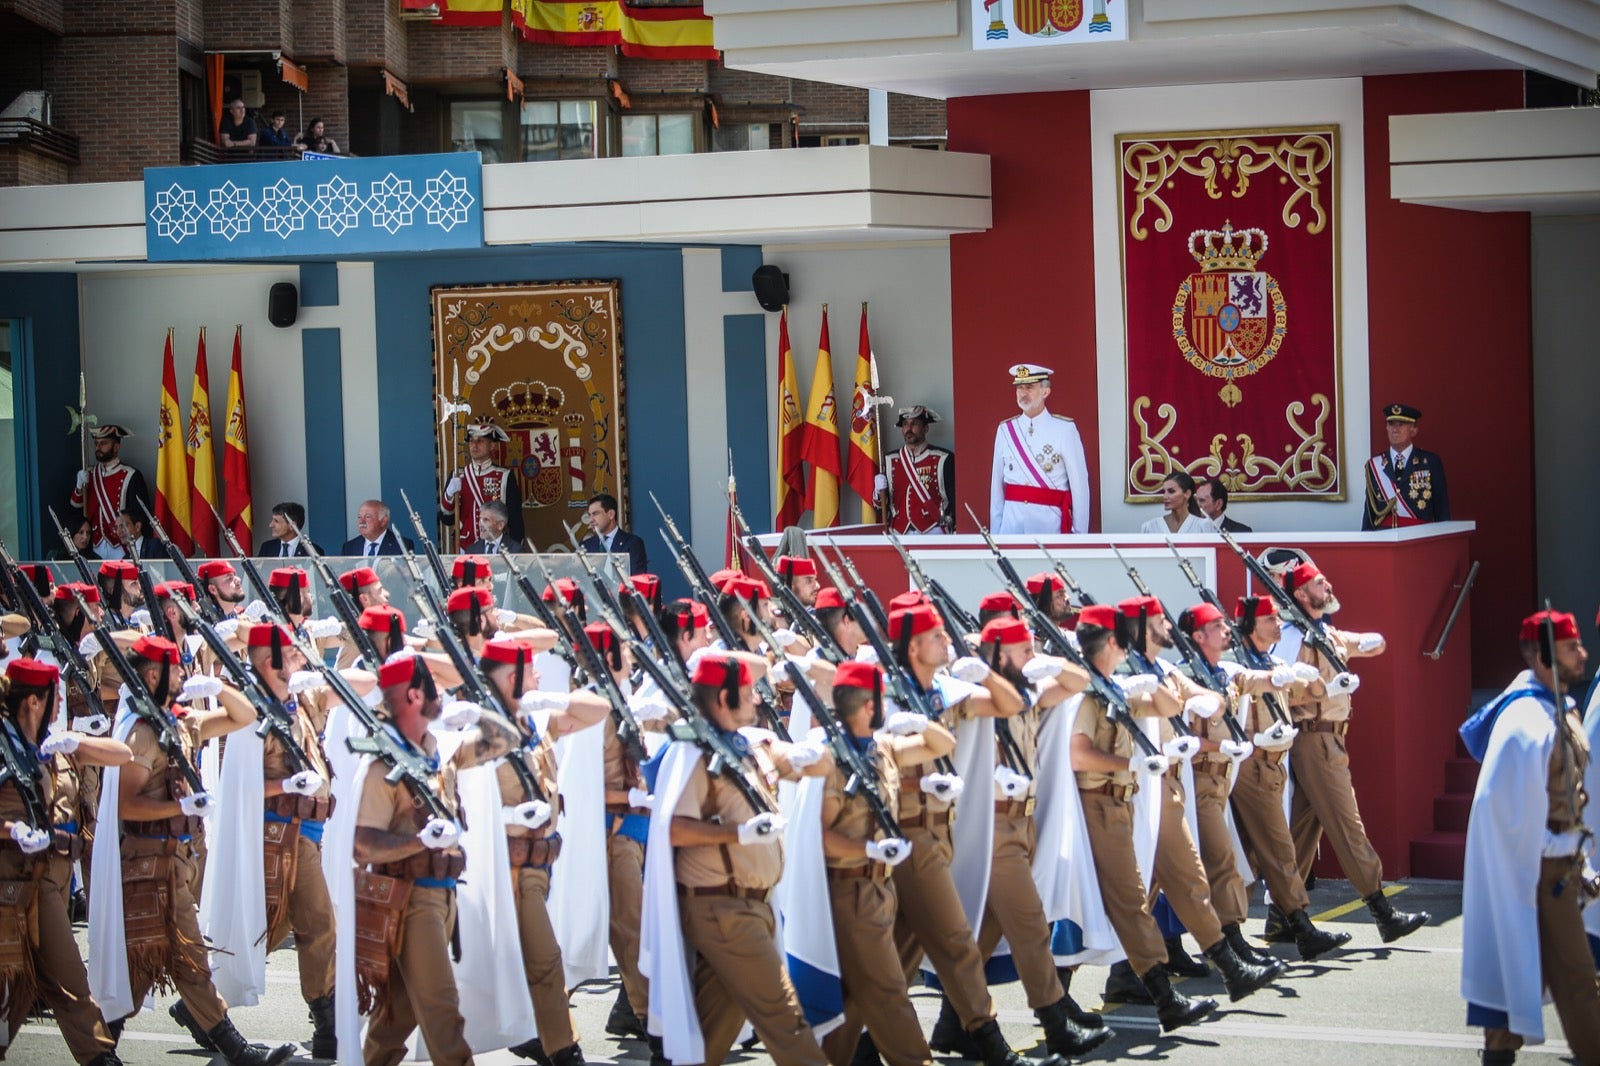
point(930, 921)
point(1228, 897)
point(625, 875)
point(1178, 871)
point(1325, 802)
point(541, 959)
point(422, 988)
point(875, 992)
point(311, 919)
point(1566, 965)
point(63, 984)
point(1110, 824)
point(1258, 811)
point(739, 974)
point(1014, 910)
point(191, 962)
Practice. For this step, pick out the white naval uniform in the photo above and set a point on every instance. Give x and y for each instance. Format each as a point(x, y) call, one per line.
point(1055, 453)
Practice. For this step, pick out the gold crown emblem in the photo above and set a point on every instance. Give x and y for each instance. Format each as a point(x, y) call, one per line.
point(1238, 250)
point(527, 403)
point(573, 420)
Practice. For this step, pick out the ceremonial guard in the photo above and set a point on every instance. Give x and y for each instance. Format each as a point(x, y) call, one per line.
point(1528, 875)
point(1324, 795)
point(1405, 485)
point(39, 820)
point(480, 481)
point(106, 489)
point(917, 490)
point(1040, 482)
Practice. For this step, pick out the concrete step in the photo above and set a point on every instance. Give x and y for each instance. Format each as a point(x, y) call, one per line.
point(1461, 776)
point(1450, 811)
point(1441, 854)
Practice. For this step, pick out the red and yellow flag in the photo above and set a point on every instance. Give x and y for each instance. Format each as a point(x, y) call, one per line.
point(202, 461)
point(791, 428)
point(820, 443)
point(236, 454)
point(644, 31)
point(172, 463)
point(862, 468)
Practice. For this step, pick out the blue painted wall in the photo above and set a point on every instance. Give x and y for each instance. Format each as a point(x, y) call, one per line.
point(46, 382)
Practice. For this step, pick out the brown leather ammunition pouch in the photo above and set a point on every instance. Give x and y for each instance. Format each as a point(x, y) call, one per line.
point(443, 865)
point(19, 936)
point(380, 919)
point(146, 910)
point(280, 848)
point(533, 851)
point(305, 808)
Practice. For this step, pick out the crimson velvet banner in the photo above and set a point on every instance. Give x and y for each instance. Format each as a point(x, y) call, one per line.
point(1231, 282)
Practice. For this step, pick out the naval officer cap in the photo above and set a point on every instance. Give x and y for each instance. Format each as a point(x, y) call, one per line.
point(1401, 412)
point(1030, 373)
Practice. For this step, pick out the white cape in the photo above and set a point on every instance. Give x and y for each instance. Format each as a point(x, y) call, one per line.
point(108, 963)
point(338, 868)
point(805, 912)
point(664, 958)
point(236, 921)
point(579, 910)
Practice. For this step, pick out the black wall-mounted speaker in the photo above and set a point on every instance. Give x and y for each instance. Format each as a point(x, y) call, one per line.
point(772, 287)
point(283, 305)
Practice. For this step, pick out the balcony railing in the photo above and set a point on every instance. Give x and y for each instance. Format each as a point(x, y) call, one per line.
point(38, 137)
point(203, 152)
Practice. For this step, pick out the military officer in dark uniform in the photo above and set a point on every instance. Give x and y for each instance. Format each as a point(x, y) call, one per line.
point(1405, 485)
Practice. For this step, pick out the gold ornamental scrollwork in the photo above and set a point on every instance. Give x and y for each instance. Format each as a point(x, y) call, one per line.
point(1226, 165)
point(1308, 468)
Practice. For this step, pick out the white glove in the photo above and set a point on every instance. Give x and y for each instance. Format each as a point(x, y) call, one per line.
point(543, 701)
point(1012, 785)
point(1369, 642)
point(891, 851)
point(533, 814)
point(879, 484)
point(905, 723)
point(638, 797)
point(1235, 749)
point(1283, 676)
point(1136, 684)
point(946, 787)
point(1343, 684)
point(762, 829)
point(505, 616)
point(227, 628)
point(139, 619)
point(59, 744)
point(83, 479)
point(424, 628)
point(460, 714)
point(96, 725)
point(1042, 667)
point(201, 687)
point(1204, 705)
point(804, 662)
point(969, 669)
point(1561, 845)
point(31, 841)
point(452, 488)
point(304, 783)
point(439, 834)
point(255, 610)
point(867, 654)
point(303, 681)
point(89, 646)
point(323, 628)
point(785, 637)
point(805, 753)
point(1305, 673)
point(650, 710)
point(1278, 738)
point(199, 805)
point(1181, 748)
point(1149, 765)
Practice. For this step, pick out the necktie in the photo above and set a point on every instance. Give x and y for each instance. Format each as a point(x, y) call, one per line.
point(372, 549)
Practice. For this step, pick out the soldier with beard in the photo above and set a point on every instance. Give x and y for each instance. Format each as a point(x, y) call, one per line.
point(221, 582)
point(102, 491)
point(120, 591)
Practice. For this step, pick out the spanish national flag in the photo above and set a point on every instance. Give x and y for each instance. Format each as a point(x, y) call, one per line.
point(202, 461)
point(681, 31)
point(236, 453)
point(172, 462)
point(791, 433)
point(863, 465)
point(821, 441)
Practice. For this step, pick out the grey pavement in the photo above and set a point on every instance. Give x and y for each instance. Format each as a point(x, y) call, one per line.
point(1371, 1003)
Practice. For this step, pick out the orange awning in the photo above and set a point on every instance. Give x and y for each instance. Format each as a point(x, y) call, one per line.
point(293, 73)
point(396, 88)
point(513, 85)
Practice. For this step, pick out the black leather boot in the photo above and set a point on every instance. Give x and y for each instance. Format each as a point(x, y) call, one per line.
point(1497, 1057)
point(1123, 986)
point(115, 1029)
point(1393, 924)
point(1174, 1009)
point(324, 1040)
point(532, 1050)
point(1249, 952)
point(949, 1035)
point(1240, 978)
point(1180, 963)
point(994, 1051)
point(1086, 1018)
point(106, 1058)
point(623, 1022)
point(1311, 941)
point(240, 1052)
point(658, 1056)
point(179, 1012)
point(1063, 1036)
point(866, 1052)
point(1277, 930)
point(571, 1055)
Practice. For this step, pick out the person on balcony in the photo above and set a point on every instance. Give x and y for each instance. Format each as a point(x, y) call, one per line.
point(276, 134)
point(238, 129)
point(316, 139)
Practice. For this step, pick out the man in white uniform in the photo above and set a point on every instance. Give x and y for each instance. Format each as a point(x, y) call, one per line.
point(1041, 481)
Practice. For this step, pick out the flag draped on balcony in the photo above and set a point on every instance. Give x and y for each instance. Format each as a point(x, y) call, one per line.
point(641, 31)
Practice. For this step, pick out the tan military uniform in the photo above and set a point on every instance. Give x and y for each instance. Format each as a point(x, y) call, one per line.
point(60, 980)
point(1324, 797)
point(1258, 807)
point(624, 868)
point(294, 861)
point(723, 904)
point(863, 901)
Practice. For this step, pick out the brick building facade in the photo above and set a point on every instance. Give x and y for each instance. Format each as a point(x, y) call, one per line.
point(99, 92)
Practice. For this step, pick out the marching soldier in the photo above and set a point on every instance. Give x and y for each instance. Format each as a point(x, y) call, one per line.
point(104, 490)
point(1040, 482)
point(917, 490)
point(1405, 485)
point(120, 592)
point(481, 481)
point(220, 581)
point(800, 575)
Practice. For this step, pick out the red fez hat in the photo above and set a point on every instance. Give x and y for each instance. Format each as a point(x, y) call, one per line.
point(1132, 606)
point(463, 599)
point(599, 635)
point(856, 674)
point(920, 619)
point(167, 588)
point(646, 585)
point(156, 649)
point(1264, 606)
point(289, 577)
point(715, 670)
point(566, 586)
point(699, 617)
point(1565, 625)
point(261, 635)
point(1005, 631)
point(796, 566)
point(355, 579)
point(907, 600)
point(32, 673)
point(214, 568)
point(829, 599)
point(746, 588)
point(1203, 614)
point(1304, 574)
point(998, 601)
point(31, 570)
point(400, 671)
point(377, 619)
point(89, 593)
point(459, 568)
point(1098, 614)
point(506, 650)
point(1044, 580)
point(721, 577)
point(119, 568)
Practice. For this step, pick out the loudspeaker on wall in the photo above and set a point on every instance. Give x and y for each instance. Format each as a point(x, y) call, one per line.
point(283, 304)
point(772, 287)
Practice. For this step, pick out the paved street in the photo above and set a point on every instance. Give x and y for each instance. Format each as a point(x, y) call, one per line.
point(1369, 1004)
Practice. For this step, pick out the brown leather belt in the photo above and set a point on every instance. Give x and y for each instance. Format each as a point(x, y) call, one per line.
point(179, 825)
point(1175, 771)
point(533, 850)
point(729, 889)
point(442, 865)
point(926, 819)
point(623, 808)
point(1272, 758)
point(1211, 769)
point(870, 871)
point(1122, 793)
point(1338, 729)
point(302, 808)
point(1022, 808)
point(62, 842)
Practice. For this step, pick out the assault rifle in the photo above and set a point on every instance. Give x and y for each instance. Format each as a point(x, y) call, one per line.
point(436, 563)
point(1288, 607)
point(344, 605)
point(1249, 655)
point(875, 605)
point(23, 769)
point(158, 617)
point(793, 609)
point(208, 607)
point(1075, 591)
point(860, 775)
point(252, 574)
point(85, 574)
point(72, 662)
point(1198, 667)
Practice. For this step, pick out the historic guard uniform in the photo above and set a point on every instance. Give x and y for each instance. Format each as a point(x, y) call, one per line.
point(1040, 482)
point(480, 481)
point(104, 490)
point(1405, 486)
point(921, 480)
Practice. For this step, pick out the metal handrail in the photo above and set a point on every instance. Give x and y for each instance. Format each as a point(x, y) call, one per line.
point(40, 137)
point(1455, 612)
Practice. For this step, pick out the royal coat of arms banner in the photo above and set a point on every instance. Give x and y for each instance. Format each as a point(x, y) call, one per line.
point(1231, 281)
point(544, 362)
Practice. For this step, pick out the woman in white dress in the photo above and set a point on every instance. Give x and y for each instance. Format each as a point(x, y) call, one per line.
point(1182, 513)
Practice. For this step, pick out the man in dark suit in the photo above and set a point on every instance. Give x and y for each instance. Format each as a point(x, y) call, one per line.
point(494, 521)
point(610, 537)
point(1405, 485)
point(1212, 497)
point(374, 536)
point(131, 532)
point(286, 524)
